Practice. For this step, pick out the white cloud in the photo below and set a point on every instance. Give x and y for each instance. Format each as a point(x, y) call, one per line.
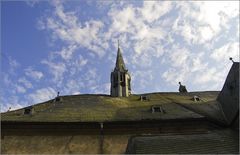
point(140, 35)
point(206, 33)
point(196, 23)
point(66, 53)
point(91, 77)
point(76, 65)
point(25, 82)
point(217, 14)
point(76, 93)
point(144, 60)
point(211, 78)
point(15, 106)
point(238, 29)
point(42, 95)
point(67, 27)
point(72, 86)
point(153, 10)
point(101, 89)
point(228, 50)
point(152, 36)
point(20, 89)
point(81, 61)
point(199, 22)
point(56, 69)
point(122, 20)
point(5, 78)
point(208, 75)
point(179, 56)
point(30, 72)
point(184, 65)
point(32, 3)
point(140, 79)
point(11, 107)
point(173, 75)
point(198, 64)
point(149, 33)
point(13, 63)
point(132, 20)
point(191, 68)
point(12, 103)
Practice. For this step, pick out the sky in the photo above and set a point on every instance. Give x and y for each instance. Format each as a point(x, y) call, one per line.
point(71, 46)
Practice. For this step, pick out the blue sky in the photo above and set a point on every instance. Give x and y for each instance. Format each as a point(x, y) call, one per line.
point(71, 46)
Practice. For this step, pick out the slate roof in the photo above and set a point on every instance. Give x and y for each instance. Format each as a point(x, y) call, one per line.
point(212, 142)
point(104, 108)
point(210, 110)
point(229, 95)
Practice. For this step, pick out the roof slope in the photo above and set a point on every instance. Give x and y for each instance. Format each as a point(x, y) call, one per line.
point(102, 108)
point(210, 110)
point(214, 142)
point(229, 96)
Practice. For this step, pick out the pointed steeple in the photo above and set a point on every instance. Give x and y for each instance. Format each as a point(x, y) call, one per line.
point(120, 78)
point(120, 65)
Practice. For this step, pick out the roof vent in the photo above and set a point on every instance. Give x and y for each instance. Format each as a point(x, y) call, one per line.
point(158, 109)
point(182, 88)
point(9, 109)
point(144, 98)
point(58, 98)
point(28, 111)
point(196, 98)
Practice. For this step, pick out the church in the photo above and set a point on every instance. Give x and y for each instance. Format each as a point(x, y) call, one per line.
point(154, 123)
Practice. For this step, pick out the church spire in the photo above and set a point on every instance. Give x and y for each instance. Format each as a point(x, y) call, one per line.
point(120, 78)
point(120, 65)
point(118, 43)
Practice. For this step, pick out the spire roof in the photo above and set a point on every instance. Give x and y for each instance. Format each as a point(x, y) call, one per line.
point(120, 65)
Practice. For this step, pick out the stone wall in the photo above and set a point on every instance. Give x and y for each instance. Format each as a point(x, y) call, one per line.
point(53, 138)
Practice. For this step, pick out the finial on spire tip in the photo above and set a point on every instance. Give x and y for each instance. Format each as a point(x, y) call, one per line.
point(231, 59)
point(118, 43)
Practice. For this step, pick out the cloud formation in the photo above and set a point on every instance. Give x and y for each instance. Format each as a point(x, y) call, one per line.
point(66, 26)
point(154, 33)
point(36, 75)
point(162, 42)
point(42, 95)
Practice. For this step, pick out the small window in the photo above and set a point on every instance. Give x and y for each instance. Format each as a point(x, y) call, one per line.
point(196, 98)
point(144, 98)
point(157, 109)
point(129, 84)
point(58, 99)
point(121, 77)
point(28, 111)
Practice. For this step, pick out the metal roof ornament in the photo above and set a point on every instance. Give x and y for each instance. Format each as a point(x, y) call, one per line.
point(231, 59)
